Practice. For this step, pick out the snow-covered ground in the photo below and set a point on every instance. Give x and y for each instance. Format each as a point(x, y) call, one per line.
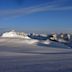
point(28, 55)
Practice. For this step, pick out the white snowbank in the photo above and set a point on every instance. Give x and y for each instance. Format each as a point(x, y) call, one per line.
point(13, 34)
point(22, 41)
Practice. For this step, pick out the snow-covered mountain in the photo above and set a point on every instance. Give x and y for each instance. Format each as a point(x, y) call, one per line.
point(36, 39)
point(14, 34)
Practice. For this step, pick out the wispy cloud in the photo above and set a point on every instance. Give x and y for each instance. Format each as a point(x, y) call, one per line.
point(51, 6)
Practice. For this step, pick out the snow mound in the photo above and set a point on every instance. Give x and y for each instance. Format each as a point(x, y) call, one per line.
point(13, 34)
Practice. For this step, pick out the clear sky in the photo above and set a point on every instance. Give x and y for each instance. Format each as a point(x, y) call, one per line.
point(36, 15)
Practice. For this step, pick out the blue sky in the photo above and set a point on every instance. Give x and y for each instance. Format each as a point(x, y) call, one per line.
point(36, 15)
